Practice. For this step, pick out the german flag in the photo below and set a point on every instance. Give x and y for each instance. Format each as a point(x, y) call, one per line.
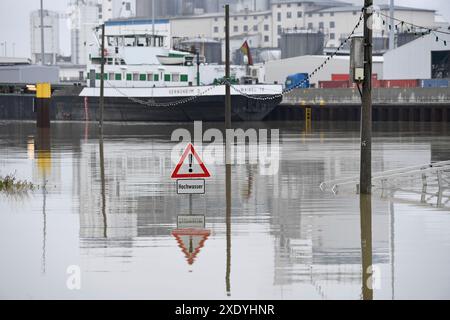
point(246, 51)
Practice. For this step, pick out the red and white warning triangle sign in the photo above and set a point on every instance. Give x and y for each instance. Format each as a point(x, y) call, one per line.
point(190, 165)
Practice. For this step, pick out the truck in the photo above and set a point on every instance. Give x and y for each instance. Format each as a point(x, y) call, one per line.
point(297, 80)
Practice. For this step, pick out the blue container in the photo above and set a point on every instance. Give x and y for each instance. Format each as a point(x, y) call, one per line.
point(298, 80)
point(434, 83)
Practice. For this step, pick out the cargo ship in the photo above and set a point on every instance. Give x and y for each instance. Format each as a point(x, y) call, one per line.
point(145, 79)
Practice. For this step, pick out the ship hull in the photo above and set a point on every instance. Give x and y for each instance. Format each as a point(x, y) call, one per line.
point(79, 108)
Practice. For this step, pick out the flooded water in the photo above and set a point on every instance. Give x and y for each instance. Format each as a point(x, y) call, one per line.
point(114, 218)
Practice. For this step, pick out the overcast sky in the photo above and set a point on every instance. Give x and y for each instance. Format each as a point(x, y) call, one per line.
point(15, 21)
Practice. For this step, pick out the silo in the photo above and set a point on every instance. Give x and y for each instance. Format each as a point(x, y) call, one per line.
point(210, 48)
point(296, 43)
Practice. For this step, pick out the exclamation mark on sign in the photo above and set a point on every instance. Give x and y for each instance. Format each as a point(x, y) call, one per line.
point(190, 162)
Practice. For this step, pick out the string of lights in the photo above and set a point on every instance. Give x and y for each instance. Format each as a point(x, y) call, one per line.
point(150, 103)
point(412, 28)
point(315, 71)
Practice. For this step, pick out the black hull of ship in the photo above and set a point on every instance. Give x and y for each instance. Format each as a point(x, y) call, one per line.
point(76, 108)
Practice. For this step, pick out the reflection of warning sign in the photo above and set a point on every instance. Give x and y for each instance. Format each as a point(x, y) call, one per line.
point(191, 241)
point(190, 165)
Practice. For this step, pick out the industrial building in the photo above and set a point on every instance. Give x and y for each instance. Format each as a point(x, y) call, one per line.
point(423, 58)
point(28, 74)
point(87, 15)
point(172, 8)
point(334, 19)
point(278, 70)
point(51, 36)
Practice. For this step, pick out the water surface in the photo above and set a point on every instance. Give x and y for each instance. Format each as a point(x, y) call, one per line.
point(289, 240)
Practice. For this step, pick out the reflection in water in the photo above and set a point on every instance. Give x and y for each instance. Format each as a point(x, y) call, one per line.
point(366, 246)
point(228, 215)
point(289, 239)
point(392, 241)
point(103, 187)
point(44, 162)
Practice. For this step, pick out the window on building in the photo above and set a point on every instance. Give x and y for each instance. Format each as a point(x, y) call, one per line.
point(236, 29)
point(289, 5)
point(184, 78)
point(332, 36)
point(118, 77)
point(167, 77)
point(129, 77)
point(156, 77)
point(266, 38)
point(111, 76)
point(175, 77)
point(245, 28)
point(255, 17)
point(266, 27)
point(289, 15)
point(299, 14)
point(278, 5)
point(310, 15)
point(135, 76)
point(215, 19)
point(279, 29)
point(321, 25)
point(235, 18)
point(216, 29)
point(142, 77)
point(279, 16)
point(245, 17)
point(255, 27)
point(149, 76)
point(310, 25)
point(321, 14)
point(331, 14)
point(354, 13)
point(332, 25)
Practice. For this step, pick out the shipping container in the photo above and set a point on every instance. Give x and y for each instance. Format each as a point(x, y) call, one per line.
point(340, 77)
point(346, 77)
point(434, 83)
point(333, 84)
point(399, 83)
point(375, 84)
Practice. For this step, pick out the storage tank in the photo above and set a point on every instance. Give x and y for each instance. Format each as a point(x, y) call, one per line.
point(210, 48)
point(295, 43)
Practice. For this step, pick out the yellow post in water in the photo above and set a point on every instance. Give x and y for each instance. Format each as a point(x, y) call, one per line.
point(308, 118)
point(43, 95)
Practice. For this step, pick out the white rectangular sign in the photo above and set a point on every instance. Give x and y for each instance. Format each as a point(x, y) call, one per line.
point(191, 221)
point(190, 186)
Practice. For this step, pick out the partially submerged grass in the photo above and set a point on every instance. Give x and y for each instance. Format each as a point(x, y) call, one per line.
point(9, 184)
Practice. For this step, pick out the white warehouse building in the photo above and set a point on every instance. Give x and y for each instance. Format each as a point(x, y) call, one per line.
point(423, 58)
point(278, 70)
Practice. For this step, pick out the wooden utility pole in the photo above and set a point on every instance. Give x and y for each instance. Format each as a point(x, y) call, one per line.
point(227, 69)
point(365, 184)
point(102, 79)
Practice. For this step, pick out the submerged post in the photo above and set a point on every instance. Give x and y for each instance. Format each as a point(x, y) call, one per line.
point(365, 185)
point(227, 69)
point(43, 95)
point(102, 79)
